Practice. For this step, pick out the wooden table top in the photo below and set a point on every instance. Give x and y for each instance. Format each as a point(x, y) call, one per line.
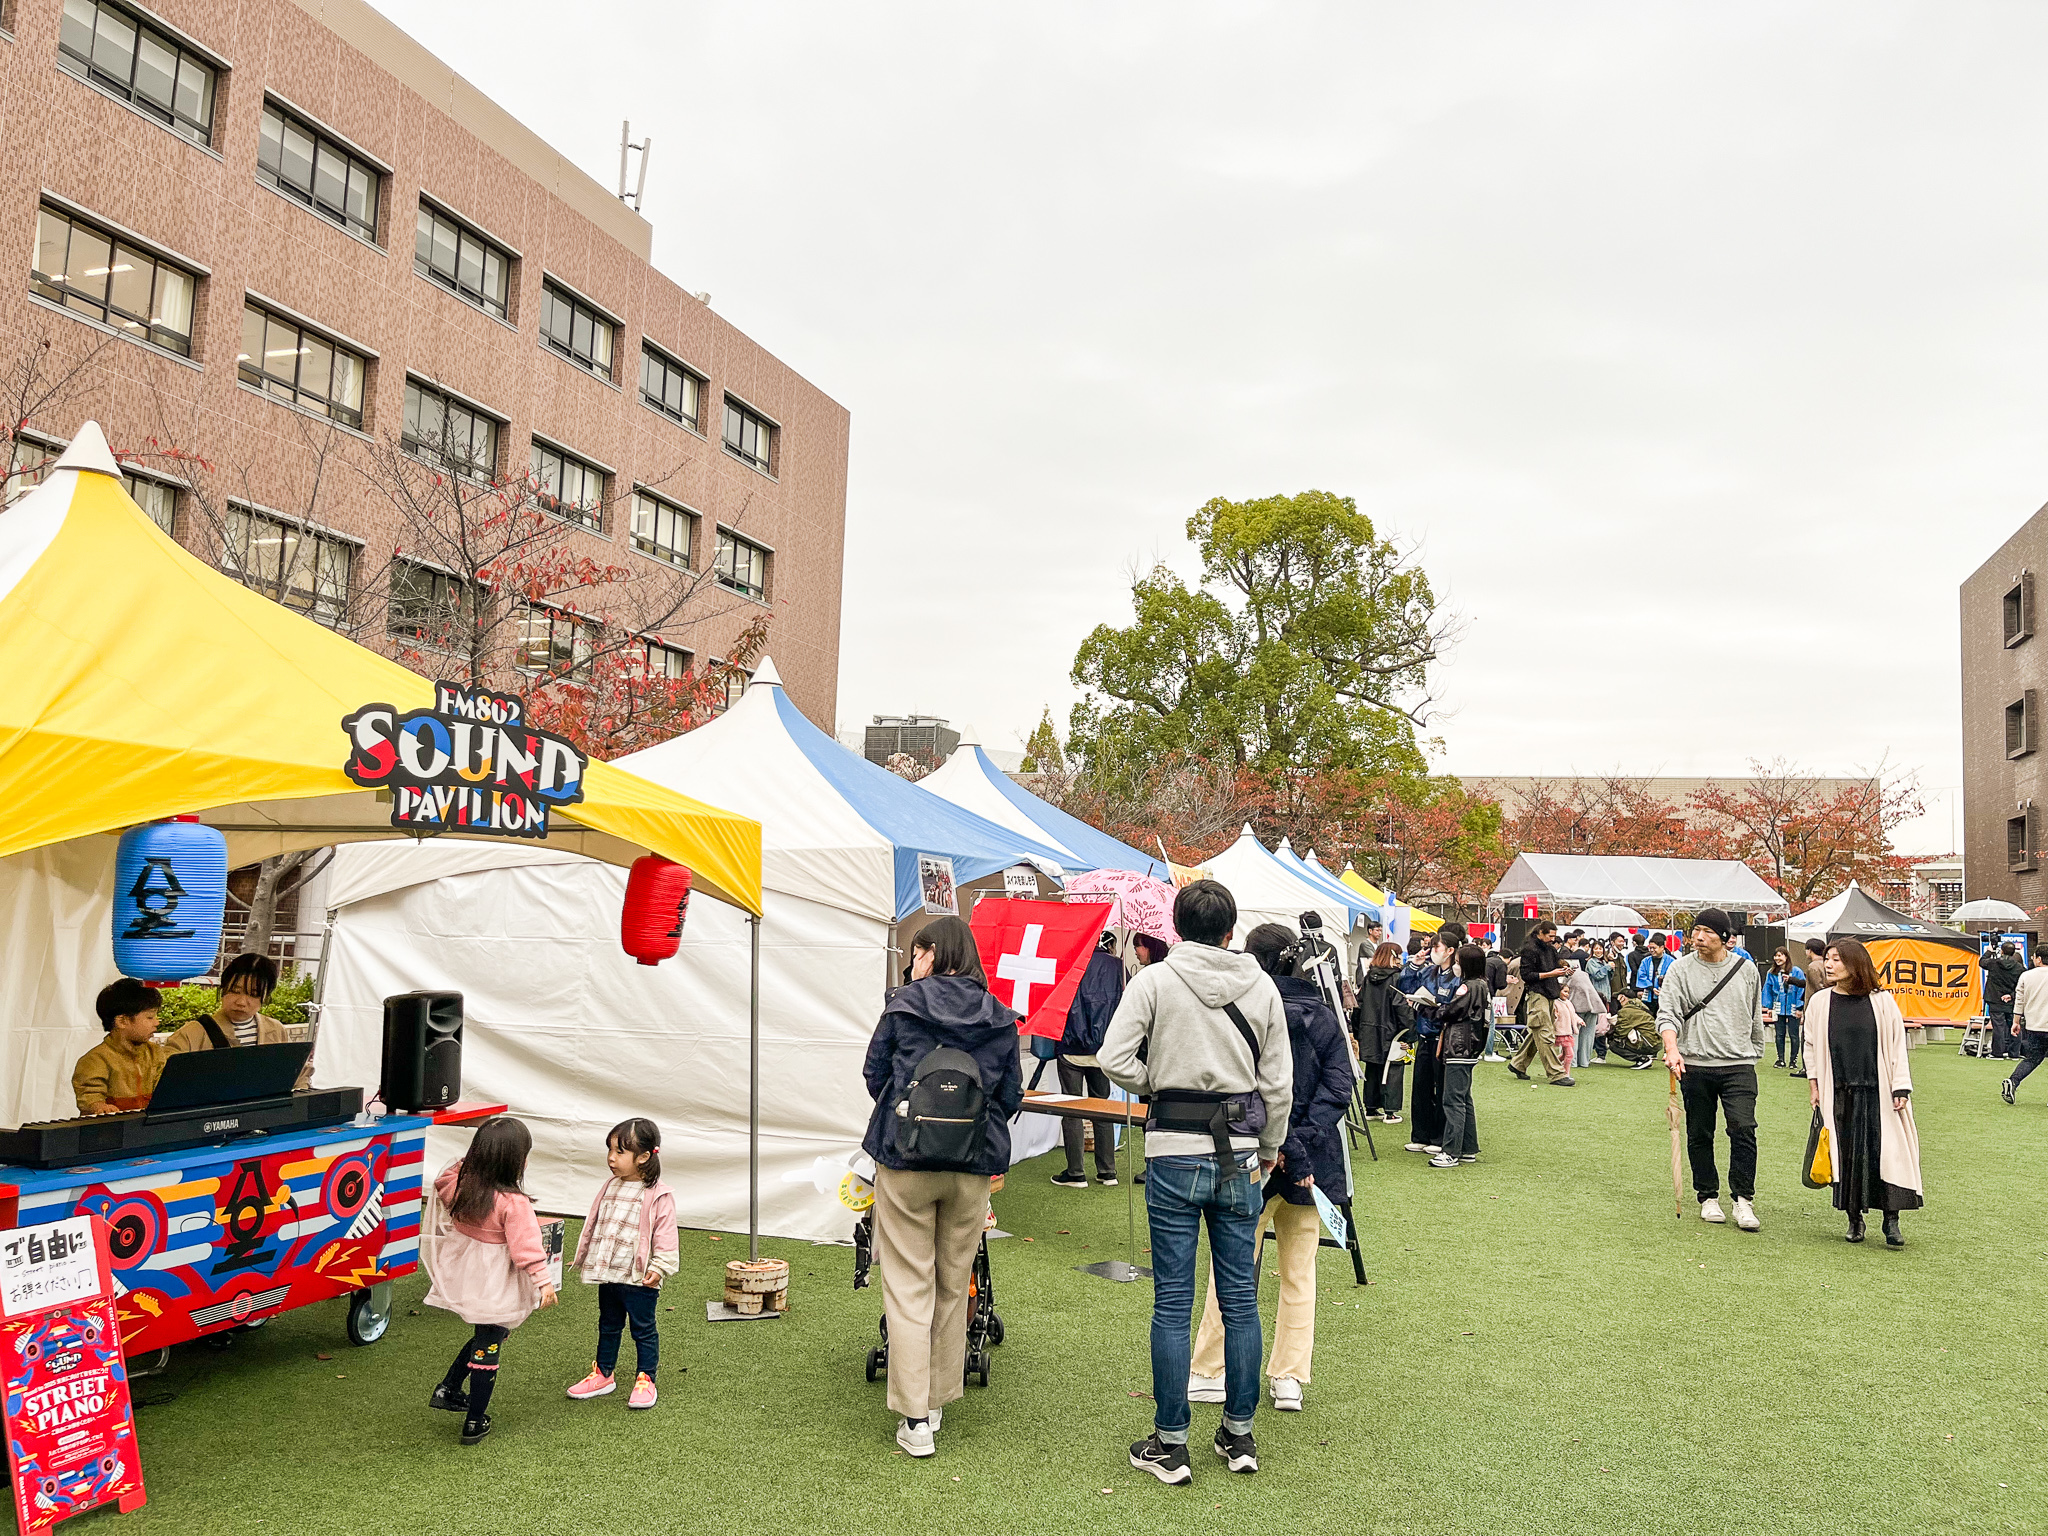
point(1085, 1109)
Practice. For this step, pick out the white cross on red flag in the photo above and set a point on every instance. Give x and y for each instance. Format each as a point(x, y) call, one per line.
point(1034, 953)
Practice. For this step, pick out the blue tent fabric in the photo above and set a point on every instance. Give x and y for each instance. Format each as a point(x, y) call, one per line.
point(911, 819)
point(1096, 848)
point(1357, 904)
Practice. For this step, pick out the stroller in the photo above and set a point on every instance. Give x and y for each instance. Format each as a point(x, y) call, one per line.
point(984, 1326)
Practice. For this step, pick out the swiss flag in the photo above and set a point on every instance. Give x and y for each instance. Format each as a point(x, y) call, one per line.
point(1034, 953)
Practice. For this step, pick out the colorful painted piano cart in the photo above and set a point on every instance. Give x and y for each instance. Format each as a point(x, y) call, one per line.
point(207, 1238)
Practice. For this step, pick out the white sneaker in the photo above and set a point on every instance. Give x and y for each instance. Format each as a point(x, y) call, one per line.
point(935, 1418)
point(1286, 1394)
point(1432, 1149)
point(1204, 1389)
point(1441, 1160)
point(1745, 1216)
point(917, 1441)
point(1493, 1056)
point(1390, 1119)
point(1710, 1210)
point(1415, 1146)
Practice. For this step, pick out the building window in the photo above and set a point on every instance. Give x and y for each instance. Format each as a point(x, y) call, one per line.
point(304, 163)
point(669, 387)
point(160, 501)
point(575, 330)
point(283, 358)
point(2022, 725)
point(668, 662)
point(305, 570)
point(749, 436)
point(449, 252)
point(429, 606)
point(448, 432)
point(2019, 842)
point(556, 642)
point(147, 68)
point(1948, 895)
point(2017, 610)
point(661, 529)
point(742, 567)
point(568, 487)
point(119, 284)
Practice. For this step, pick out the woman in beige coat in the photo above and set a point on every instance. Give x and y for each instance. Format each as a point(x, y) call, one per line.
point(1856, 1053)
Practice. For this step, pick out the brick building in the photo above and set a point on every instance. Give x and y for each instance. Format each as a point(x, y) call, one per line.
point(2005, 684)
point(277, 248)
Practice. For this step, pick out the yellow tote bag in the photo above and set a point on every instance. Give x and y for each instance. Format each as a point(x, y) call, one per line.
point(1819, 1169)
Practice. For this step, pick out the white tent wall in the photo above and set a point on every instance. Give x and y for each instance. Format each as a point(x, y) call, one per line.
point(565, 1028)
point(56, 907)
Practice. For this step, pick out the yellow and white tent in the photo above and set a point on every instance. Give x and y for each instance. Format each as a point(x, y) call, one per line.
point(1421, 922)
point(136, 682)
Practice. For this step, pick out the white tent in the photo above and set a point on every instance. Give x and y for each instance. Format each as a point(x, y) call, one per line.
point(971, 781)
point(1817, 922)
point(1580, 880)
point(1269, 891)
point(575, 1036)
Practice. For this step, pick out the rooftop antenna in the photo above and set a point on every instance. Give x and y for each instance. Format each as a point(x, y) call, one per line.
point(626, 143)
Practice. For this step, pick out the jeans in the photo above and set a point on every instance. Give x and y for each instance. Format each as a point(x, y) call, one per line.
point(1461, 1130)
point(618, 1305)
point(2002, 1042)
point(1180, 1193)
point(1788, 1039)
point(1090, 1082)
point(1734, 1089)
point(1583, 1047)
point(2033, 1046)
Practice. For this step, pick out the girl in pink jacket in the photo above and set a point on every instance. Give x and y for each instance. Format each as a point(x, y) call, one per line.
point(483, 1249)
point(627, 1249)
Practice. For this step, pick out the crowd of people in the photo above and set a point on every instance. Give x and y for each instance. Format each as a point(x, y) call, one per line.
point(1248, 1062)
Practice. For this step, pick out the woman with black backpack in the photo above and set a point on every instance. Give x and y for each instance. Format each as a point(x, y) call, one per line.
point(945, 1076)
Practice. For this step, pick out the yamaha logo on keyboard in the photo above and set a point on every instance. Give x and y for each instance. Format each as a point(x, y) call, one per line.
point(221, 1125)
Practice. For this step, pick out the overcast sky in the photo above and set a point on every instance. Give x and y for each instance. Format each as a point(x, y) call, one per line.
point(1700, 342)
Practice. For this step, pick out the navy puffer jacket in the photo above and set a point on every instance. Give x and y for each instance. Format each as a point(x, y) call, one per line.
point(1322, 1093)
point(944, 1010)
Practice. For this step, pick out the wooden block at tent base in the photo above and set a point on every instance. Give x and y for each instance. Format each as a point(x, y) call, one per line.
point(752, 1285)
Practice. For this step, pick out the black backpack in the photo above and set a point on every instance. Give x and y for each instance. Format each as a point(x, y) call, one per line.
point(942, 1117)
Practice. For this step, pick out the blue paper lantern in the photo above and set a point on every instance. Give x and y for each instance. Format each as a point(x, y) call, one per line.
point(170, 896)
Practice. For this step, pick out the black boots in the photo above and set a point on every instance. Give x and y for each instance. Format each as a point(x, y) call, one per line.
point(1893, 1238)
point(1855, 1226)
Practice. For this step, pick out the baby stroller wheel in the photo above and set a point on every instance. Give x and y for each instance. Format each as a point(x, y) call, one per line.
point(878, 1362)
point(995, 1329)
point(977, 1368)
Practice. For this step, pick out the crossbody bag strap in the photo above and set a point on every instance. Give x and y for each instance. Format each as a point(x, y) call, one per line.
point(1700, 1007)
point(213, 1032)
point(1244, 1028)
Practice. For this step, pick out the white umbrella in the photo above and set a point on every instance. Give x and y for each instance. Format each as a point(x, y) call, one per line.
point(1987, 910)
point(1611, 915)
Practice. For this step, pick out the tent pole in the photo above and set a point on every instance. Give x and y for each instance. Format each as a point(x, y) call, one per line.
point(754, 1093)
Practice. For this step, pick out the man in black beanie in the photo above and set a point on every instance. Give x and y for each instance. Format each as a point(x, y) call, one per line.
point(1712, 1022)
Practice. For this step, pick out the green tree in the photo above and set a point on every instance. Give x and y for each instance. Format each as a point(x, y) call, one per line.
point(1042, 752)
point(1305, 648)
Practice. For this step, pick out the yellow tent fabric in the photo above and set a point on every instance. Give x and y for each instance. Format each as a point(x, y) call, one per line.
point(1421, 922)
point(140, 683)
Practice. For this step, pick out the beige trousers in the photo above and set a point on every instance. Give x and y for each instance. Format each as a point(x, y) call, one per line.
point(1541, 1043)
point(927, 1228)
point(1294, 1331)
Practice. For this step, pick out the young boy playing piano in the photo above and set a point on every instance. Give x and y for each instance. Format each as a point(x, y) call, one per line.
point(120, 1072)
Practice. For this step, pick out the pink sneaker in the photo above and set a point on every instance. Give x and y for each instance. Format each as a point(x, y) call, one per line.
point(644, 1395)
point(596, 1384)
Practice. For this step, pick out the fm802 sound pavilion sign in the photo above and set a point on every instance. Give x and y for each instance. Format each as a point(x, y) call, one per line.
point(470, 764)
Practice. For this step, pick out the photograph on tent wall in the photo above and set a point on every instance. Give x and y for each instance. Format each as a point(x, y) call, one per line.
point(935, 880)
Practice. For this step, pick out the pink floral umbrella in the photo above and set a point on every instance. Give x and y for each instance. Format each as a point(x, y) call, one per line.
point(1144, 905)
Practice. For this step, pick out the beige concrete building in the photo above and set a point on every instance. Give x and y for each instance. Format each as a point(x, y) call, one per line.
point(273, 245)
point(2005, 683)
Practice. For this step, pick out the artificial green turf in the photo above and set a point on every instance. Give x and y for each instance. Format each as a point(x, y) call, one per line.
point(1544, 1348)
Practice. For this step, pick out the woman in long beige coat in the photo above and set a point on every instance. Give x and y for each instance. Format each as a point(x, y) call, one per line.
point(1856, 1055)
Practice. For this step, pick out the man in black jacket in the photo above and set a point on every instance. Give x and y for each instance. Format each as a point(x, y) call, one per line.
point(1542, 987)
point(2001, 982)
point(1095, 1000)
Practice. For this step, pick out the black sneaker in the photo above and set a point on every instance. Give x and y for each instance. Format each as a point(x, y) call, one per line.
point(454, 1401)
point(1518, 1072)
point(475, 1428)
point(2005, 1090)
point(1106, 1180)
point(1071, 1180)
point(1562, 1082)
point(1168, 1463)
point(1238, 1452)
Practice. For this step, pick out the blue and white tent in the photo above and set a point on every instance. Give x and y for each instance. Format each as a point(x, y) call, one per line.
point(969, 780)
point(564, 1027)
point(1270, 888)
point(1316, 875)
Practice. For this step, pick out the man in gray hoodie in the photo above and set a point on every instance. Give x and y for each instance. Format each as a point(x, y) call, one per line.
point(1712, 1021)
point(1203, 1036)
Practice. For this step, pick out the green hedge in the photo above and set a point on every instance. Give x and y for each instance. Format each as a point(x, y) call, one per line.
point(287, 1004)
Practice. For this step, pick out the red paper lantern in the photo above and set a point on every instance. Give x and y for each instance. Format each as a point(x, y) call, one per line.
point(657, 900)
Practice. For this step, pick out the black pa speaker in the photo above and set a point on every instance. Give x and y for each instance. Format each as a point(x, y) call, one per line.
point(422, 1050)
